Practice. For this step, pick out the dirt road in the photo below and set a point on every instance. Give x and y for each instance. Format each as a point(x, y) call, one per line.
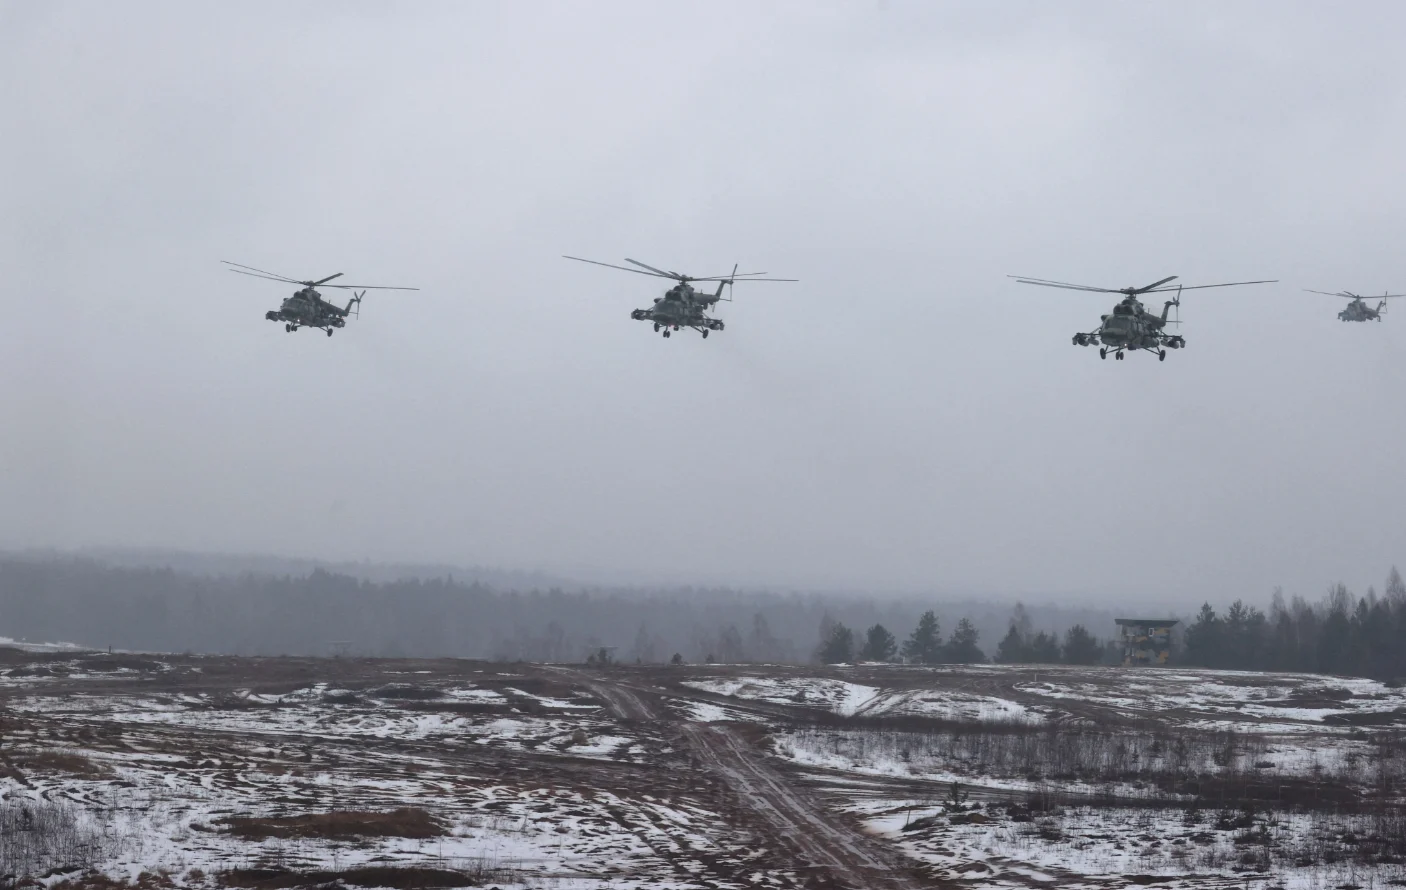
point(831, 851)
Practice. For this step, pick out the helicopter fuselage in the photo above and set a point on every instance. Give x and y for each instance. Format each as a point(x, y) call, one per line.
point(681, 307)
point(307, 309)
point(1130, 327)
point(1357, 310)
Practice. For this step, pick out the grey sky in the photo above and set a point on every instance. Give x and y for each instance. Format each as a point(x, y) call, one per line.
point(905, 418)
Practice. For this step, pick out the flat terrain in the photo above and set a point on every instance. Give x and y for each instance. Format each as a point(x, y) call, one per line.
point(191, 771)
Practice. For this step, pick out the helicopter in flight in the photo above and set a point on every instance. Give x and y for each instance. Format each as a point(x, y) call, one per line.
point(1129, 326)
point(683, 306)
point(1358, 310)
point(306, 308)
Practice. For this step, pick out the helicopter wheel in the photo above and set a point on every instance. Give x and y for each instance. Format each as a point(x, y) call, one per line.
point(1103, 353)
point(656, 327)
point(666, 333)
point(1161, 355)
point(329, 332)
point(705, 333)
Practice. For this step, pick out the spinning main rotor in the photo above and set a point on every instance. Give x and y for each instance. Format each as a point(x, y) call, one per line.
point(260, 273)
point(683, 279)
point(1349, 295)
point(1153, 288)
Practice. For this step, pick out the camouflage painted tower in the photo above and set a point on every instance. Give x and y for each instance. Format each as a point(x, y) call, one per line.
point(1146, 640)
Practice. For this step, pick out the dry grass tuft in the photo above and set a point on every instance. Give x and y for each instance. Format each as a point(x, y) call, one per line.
point(407, 822)
point(52, 760)
point(405, 878)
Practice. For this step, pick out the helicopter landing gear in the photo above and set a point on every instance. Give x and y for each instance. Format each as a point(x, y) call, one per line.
point(1161, 355)
point(705, 333)
point(1102, 352)
point(329, 332)
point(656, 327)
point(1118, 355)
point(667, 332)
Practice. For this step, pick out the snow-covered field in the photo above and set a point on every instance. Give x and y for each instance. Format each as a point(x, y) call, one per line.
point(1136, 769)
point(219, 770)
point(854, 699)
point(521, 786)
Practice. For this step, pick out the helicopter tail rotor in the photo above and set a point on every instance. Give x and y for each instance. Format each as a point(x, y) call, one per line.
point(354, 304)
point(1173, 303)
point(729, 282)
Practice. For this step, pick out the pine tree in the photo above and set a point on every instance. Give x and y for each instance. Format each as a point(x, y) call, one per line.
point(1204, 639)
point(879, 645)
point(963, 649)
point(1013, 648)
point(1080, 646)
point(838, 648)
point(925, 645)
point(1044, 648)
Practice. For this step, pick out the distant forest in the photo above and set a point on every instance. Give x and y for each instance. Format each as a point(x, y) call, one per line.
point(256, 606)
point(94, 602)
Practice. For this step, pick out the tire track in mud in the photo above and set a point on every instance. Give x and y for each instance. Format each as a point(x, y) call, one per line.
point(832, 852)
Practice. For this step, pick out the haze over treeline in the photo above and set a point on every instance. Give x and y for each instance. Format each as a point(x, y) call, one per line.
point(176, 602)
point(245, 606)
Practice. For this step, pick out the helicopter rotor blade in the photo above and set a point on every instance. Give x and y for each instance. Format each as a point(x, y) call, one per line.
point(274, 275)
point(266, 277)
point(1154, 285)
point(1203, 286)
point(1344, 294)
point(727, 278)
point(659, 271)
point(369, 287)
point(613, 266)
point(325, 280)
point(745, 276)
point(1021, 279)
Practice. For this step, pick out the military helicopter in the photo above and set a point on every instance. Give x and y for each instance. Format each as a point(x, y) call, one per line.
point(683, 306)
point(1130, 326)
point(306, 308)
point(1358, 310)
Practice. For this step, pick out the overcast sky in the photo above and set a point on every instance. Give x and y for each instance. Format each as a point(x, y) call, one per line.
point(906, 418)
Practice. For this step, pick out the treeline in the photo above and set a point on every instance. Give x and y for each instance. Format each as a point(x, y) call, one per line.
point(924, 646)
point(1341, 634)
point(1021, 644)
point(46, 598)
